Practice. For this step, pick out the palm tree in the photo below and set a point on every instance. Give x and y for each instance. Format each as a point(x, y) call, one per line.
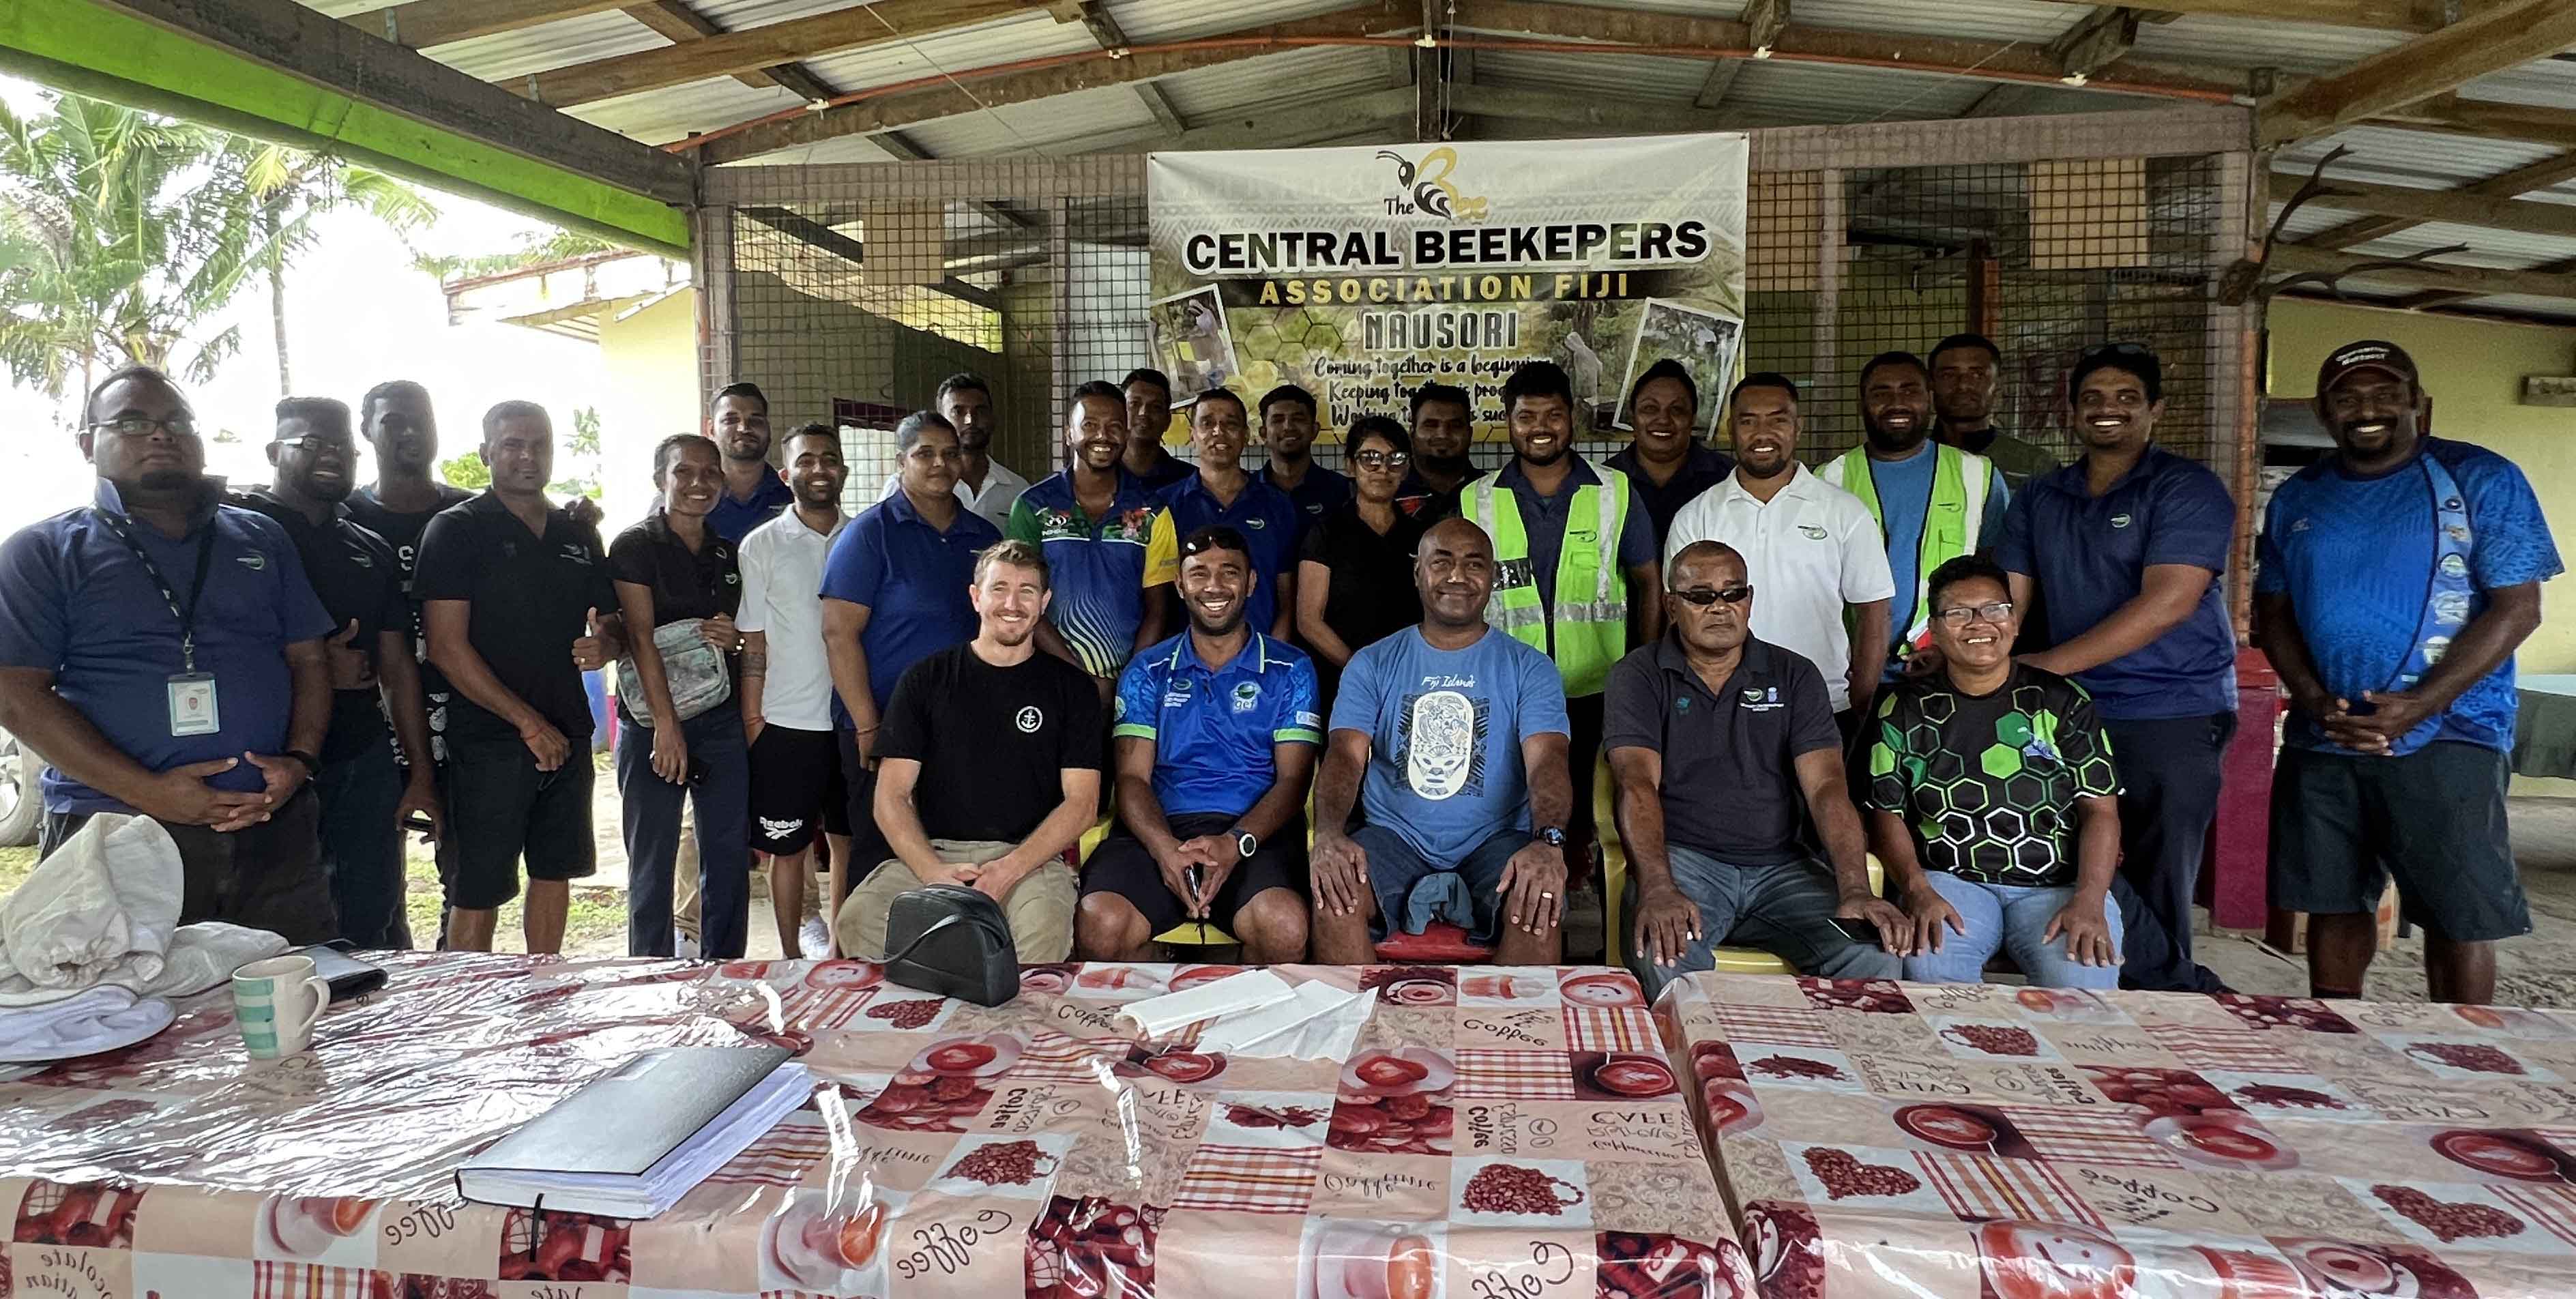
point(290, 189)
point(121, 236)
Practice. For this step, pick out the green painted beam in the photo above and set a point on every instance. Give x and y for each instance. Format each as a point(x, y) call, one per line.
point(99, 50)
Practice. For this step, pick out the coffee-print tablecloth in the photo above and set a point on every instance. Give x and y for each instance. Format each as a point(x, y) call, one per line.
point(1498, 1134)
point(1948, 1142)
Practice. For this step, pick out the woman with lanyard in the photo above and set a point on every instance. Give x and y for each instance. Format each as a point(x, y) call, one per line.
point(1355, 579)
point(673, 569)
point(894, 592)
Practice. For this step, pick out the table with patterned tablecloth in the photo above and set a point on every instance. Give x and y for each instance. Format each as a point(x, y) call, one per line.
point(1498, 1134)
point(1989, 1142)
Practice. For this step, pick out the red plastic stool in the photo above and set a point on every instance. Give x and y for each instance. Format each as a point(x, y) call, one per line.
point(1441, 944)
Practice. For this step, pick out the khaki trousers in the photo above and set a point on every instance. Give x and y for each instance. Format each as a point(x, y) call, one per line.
point(1039, 907)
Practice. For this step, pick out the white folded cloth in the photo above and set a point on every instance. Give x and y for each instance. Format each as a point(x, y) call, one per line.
point(1219, 997)
point(93, 1021)
point(1316, 1022)
point(103, 904)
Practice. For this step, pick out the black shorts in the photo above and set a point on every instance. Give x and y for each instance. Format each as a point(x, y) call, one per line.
point(2343, 823)
point(795, 783)
point(1121, 865)
point(500, 808)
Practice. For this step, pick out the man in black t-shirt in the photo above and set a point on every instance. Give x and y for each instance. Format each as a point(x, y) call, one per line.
point(364, 791)
point(988, 770)
point(1724, 747)
point(518, 604)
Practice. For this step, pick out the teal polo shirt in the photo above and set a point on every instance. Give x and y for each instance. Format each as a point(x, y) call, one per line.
point(1213, 728)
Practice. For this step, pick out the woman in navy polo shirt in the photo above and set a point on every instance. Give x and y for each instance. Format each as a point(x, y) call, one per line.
point(894, 592)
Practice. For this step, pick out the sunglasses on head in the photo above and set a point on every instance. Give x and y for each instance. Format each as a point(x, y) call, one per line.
point(1703, 596)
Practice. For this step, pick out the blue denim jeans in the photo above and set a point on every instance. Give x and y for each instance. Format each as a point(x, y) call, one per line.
point(2010, 918)
point(719, 790)
point(362, 847)
point(1786, 910)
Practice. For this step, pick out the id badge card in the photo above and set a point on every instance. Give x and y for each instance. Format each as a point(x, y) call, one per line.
point(192, 704)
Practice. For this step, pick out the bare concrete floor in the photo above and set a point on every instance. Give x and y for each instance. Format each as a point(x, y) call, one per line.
point(2538, 969)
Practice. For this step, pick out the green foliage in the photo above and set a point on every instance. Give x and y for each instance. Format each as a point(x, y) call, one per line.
point(123, 234)
point(534, 249)
point(467, 471)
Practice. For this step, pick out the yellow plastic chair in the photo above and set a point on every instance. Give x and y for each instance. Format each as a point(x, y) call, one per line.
point(1614, 883)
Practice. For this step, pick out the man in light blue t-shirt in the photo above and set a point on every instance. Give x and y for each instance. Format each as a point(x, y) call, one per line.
point(1451, 738)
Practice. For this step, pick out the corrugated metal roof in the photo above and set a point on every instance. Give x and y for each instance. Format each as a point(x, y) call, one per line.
point(661, 116)
point(1023, 128)
point(1980, 20)
point(1626, 76)
point(2257, 43)
point(549, 45)
point(1817, 93)
point(2525, 305)
point(1151, 21)
point(1314, 76)
point(2422, 159)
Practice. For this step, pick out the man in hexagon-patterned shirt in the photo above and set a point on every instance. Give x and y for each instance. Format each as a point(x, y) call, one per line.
point(1993, 802)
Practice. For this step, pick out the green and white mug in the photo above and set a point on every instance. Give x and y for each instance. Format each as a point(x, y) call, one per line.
point(277, 1002)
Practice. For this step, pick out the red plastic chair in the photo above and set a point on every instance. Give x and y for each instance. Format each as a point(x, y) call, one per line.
point(1441, 944)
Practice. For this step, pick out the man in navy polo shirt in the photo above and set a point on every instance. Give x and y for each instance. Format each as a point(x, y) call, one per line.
point(2123, 550)
point(1149, 417)
point(1216, 731)
point(163, 653)
point(1288, 432)
point(2398, 577)
point(374, 676)
point(1221, 494)
point(753, 492)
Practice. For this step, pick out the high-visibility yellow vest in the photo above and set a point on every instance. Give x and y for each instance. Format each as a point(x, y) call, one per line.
point(1957, 513)
point(1591, 614)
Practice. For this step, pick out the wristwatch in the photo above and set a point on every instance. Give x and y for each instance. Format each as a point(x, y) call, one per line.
point(312, 765)
point(1553, 837)
point(1245, 844)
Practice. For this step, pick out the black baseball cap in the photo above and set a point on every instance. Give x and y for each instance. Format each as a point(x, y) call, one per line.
point(2369, 354)
point(2130, 358)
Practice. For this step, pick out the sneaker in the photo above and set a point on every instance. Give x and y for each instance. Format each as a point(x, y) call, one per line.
point(684, 946)
point(814, 940)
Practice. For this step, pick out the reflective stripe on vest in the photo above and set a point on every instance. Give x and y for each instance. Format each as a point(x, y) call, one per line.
point(1952, 519)
point(1591, 615)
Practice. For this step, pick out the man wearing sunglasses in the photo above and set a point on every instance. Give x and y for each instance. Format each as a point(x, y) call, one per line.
point(1724, 746)
point(1810, 546)
point(2123, 550)
point(163, 653)
point(364, 791)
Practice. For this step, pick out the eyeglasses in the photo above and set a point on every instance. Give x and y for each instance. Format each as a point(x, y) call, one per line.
point(1381, 459)
point(2119, 349)
point(1216, 539)
point(1999, 612)
point(140, 426)
point(317, 442)
point(1703, 597)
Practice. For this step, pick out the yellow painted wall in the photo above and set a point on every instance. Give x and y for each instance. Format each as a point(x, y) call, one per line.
point(2474, 371)
point(652, 361)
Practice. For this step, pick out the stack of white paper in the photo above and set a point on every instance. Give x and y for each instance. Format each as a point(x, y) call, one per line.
point(1317, 1022)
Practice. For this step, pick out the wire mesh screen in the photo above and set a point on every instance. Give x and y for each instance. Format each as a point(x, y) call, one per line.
point(850, 291)
point(856, 291)
point(2046, 258)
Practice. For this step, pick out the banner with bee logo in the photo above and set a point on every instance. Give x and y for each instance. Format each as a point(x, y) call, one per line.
point(1363, 273)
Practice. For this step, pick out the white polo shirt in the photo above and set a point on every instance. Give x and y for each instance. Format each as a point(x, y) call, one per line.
point(1002, 489)
point(782, 577)
point(1810, 552)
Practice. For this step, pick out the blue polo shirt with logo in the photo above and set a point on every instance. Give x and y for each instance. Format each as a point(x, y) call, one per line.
point(2089, 555)
point(1266, 518)
point(1213, 728)
point(733, 520)
point(1096, 566)
point(75, 602)
point(2355, 556)
point(913, 578)
point(1317, 494)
